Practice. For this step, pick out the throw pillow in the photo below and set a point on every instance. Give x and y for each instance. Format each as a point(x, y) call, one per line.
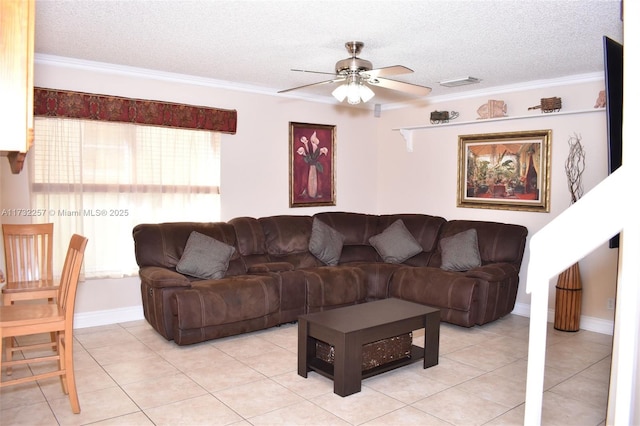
point(460, 251)
point(205, 257)
point(325, 242)
point(395, 244)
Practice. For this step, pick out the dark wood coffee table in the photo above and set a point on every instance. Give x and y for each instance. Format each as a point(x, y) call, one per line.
point(348, 329)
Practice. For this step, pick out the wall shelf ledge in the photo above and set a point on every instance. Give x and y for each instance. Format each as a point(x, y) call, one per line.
point(407, 131)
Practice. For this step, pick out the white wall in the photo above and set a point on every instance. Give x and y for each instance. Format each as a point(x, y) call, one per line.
point(375, 173)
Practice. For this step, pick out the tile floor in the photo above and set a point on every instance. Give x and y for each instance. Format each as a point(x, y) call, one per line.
point(129, 375)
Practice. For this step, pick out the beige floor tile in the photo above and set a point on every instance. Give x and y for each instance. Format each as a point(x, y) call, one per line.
point(134, 419)
point(513, 417)
point(87, 380)
point(257, 398)
point(562, 411)
point(309, 387)
point(18, 395)
point(202, 410)
point(139, 369)
point(506, 391)
point(244, 346)
point(460, 408)
point(273, 362)
point(404, 385)
point(449, 372)
point(285, 336)
point(163, 390)
point(116, 336)
point(304, 413)
point(600, 371)
point(193, 357)
point(98, 405)
point(585, 390)
point(407, 416)
point(105, 355)
point(482, 357)
point(360, 407)
point(34, 414)
point(513, 346)
point(224, 375)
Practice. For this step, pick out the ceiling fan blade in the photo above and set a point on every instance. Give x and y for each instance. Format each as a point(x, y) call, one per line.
point(413, 89)
point(387, 71)
point(335, 80)
point(314, 72)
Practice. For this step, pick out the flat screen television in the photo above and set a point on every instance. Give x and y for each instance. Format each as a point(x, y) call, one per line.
point(613, 77)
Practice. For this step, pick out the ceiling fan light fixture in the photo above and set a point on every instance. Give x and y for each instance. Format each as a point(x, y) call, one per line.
point(340, 92)
point(354, 90)
point(459, 81)
point(365, 93)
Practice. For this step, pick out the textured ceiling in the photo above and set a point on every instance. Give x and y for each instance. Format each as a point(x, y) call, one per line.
point(255, 44)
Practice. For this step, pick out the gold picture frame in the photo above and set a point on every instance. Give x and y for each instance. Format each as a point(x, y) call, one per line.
point(509, 171)
point(312, 165)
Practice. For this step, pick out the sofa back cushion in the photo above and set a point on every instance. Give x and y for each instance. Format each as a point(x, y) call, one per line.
point(163, 244)
point(287, 240)
point(497, 242)
point(250, 240)
point(424, 228)
point(356, 228)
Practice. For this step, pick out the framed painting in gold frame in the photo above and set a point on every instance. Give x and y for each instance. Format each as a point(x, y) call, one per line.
point(312, 165)
point(505, 170)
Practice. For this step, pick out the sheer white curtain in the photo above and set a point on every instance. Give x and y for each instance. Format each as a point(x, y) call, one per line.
point(100, 179)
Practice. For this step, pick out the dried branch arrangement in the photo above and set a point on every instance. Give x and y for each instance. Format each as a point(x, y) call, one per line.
point(574, 166)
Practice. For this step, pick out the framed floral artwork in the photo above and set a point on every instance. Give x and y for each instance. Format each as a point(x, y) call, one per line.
point(505, 170)
point(312, 165)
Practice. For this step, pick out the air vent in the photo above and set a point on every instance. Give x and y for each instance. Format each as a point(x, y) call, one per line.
point(459, 82)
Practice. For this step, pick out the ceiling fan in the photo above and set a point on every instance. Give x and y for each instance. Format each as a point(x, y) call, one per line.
point(356, 75)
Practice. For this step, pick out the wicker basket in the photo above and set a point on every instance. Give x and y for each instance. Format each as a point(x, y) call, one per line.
point(550, 104)
point(373, 354)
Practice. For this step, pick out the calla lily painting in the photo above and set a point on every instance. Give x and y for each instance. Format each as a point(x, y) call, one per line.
point(311, 169)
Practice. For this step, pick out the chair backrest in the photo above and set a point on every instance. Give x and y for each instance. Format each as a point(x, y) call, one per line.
point(71, 275)
point(28, 251)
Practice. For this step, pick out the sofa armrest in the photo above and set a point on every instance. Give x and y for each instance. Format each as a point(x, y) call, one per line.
point(261, 268)
point(158, 277)
point(493, 271)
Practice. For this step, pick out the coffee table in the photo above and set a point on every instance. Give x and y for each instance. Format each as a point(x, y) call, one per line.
point(348, 329)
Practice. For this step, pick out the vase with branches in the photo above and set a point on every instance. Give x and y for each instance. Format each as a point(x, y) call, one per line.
point(569, 286)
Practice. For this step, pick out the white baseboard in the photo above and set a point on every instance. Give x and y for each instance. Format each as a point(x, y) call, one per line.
point(134, 313)
point(111, 316)
point(596, 325)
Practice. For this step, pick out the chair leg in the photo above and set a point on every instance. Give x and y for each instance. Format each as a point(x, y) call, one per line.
point(8, 353)
point(68, 380)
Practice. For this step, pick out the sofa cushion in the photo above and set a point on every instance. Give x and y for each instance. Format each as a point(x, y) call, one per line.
point(460, 251)
point(205, 257)
point(325, 243)
point(395, 244)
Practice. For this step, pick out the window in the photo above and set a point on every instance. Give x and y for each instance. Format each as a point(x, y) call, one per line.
point(100, 179)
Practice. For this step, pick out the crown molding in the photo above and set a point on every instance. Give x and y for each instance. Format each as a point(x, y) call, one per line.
point(107, 68)
point(115, 69)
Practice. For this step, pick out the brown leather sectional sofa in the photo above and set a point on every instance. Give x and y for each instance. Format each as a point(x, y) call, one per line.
point(272, 277)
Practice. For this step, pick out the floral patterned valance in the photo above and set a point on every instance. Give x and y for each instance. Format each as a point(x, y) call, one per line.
point(60, 103)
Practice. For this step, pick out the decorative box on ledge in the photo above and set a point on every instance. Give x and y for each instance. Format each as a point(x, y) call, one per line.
point(374, 354)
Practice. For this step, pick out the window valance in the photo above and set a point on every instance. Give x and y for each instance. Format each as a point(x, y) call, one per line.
point(67, 104)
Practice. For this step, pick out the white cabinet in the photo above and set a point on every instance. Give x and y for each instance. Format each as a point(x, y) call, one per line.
point(17, 21)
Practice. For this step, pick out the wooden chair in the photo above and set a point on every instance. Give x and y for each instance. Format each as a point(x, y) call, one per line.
point(28, 252)
point(29, 319)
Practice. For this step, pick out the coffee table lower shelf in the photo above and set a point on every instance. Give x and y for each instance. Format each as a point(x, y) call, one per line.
point(326, 369)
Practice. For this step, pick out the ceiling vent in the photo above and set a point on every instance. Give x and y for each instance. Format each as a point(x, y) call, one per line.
point(459, 82)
